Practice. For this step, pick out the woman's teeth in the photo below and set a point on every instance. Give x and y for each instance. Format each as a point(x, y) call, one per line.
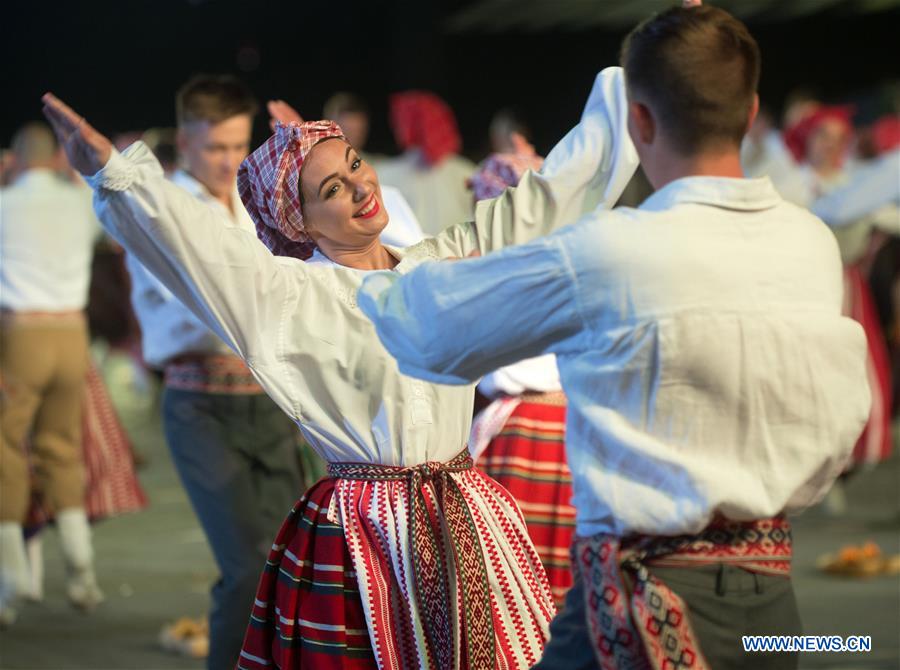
point(368, 208)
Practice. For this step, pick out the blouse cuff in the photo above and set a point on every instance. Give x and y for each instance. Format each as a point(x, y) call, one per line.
point(117, 175)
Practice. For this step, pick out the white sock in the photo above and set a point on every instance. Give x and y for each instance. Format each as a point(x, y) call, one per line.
point(14, 575)
point(75, 538)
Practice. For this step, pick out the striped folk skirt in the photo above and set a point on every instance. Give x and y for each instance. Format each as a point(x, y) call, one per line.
point(308, 612)
point(434, 570)
point(528, 458)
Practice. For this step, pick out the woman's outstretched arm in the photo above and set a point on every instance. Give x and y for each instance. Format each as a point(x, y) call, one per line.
point(220, 271)
point(586, 170)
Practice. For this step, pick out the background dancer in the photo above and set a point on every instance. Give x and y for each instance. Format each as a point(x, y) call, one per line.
point(430, 173)
point(519, 438)
point(47, 232)
point(820, 141)
point(111, 485)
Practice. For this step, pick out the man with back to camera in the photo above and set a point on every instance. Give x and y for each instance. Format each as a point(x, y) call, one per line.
point(47, 235)
point(713, 384)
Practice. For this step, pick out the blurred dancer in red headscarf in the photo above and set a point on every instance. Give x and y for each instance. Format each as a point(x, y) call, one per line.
point(821, 143)
point(430, 174)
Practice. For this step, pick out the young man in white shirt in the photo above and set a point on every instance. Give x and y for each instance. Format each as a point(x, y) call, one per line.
point(47, 234)
point(237, 453)
point(713, 384)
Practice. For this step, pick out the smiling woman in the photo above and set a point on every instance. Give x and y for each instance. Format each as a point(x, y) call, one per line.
point(406, 556)
point(307, 188)
point(345, 213)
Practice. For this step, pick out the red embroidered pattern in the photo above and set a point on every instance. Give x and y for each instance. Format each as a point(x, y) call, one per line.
point(440, 513)
point(648, 627)
point(517, 538)
point(211, 374)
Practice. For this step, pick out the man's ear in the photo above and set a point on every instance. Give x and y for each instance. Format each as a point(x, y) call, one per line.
point(754, 110)
point(643, 122)
point(181, 141)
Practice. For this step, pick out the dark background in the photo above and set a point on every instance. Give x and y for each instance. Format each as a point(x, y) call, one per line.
point(119, 62)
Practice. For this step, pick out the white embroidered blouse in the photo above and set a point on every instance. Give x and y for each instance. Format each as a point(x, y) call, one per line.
point(297, 324)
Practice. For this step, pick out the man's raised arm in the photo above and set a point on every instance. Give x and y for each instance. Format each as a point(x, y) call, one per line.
point(452, 322)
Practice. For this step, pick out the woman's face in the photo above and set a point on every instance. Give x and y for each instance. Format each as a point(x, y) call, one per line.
point(342, 203)
point(827, 145)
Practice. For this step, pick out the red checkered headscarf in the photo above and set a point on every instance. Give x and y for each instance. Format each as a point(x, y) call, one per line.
point(499, 171)
point(421, 119)
point(269, 185)
point(798, 135)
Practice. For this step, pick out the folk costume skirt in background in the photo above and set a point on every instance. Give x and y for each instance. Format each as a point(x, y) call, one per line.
point(112, 484)
point(428, 566)
point(874, 445)
point(527, 456)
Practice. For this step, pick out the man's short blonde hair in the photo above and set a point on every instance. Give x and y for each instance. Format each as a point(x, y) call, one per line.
point(213, 98)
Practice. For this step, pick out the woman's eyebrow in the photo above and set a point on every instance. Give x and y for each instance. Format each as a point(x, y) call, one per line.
point(334, 174)
point(328, 178)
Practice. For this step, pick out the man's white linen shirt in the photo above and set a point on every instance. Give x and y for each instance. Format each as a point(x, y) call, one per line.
point(168, 328)
point(699, 340)
point(47, 235)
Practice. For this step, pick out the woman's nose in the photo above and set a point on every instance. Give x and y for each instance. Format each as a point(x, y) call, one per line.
point(361, 190)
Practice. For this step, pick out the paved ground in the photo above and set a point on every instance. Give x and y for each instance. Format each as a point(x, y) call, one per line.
point(155, 566)
point(831, 605)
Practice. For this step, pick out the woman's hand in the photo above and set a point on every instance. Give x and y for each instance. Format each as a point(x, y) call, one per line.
point(87, 150)
point(279, 110)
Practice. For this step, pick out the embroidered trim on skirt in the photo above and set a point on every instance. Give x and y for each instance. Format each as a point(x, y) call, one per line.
point(528, 458)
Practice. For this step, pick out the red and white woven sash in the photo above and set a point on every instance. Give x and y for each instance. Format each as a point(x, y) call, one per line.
point(447, 560)
point(635, 620)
